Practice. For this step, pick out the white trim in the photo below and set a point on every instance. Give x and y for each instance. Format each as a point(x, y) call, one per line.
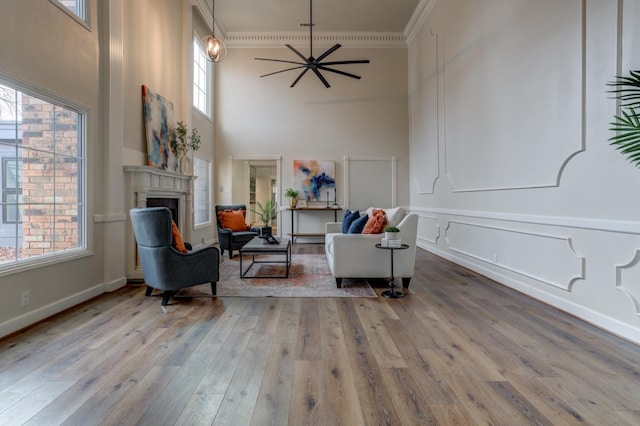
point(418, 19)
point(109, 218)
point(320, 39)
point(14, 324)
point(619, 226)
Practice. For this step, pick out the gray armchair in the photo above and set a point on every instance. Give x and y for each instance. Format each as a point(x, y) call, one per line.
point(233, 240)
point(164, 267)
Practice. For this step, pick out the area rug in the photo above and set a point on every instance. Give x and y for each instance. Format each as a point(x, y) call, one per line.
point(309, 276)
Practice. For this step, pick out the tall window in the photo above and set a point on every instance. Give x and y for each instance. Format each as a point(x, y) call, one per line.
point(201, 79)
point(41, 152)
point(202, 191)
point(75, 8)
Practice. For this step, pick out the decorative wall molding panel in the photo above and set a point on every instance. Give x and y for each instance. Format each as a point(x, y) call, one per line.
point(370, 181)
point(628, 280)
point(528, 131)
point(556, 263)
point(428, 229)
point(424, 97)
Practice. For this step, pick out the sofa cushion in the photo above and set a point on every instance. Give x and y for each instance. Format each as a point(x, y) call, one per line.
point(347, 220)
point(232, 219)
point(358, 225)
point(376, 222)
point(176, 239)
point(394, 215)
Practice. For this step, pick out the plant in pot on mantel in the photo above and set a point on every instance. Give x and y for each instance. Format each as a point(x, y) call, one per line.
point(293, 197)
point(267, 212)
point(181, 144)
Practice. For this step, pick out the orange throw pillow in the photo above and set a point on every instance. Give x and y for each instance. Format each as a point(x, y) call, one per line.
point(233, 219)
point(176, 240)
point(376, 222)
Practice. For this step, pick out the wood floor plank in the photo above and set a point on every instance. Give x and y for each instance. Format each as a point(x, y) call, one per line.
point(309, 332)
point(308, 396)
point(20, 412)
point(274, 397)
point(341, 394)
point(241, 395)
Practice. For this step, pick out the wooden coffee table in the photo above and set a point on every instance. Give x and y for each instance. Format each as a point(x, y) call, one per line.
point(259, 246)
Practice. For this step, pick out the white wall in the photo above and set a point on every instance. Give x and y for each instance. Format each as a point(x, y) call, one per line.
point(45, 48)
point(511, 172)
point(264, 117)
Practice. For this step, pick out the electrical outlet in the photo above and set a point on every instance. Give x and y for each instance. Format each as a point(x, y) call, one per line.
point(25, 298)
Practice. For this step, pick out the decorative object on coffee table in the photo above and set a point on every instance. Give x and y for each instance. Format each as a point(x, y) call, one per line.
point(392, 294)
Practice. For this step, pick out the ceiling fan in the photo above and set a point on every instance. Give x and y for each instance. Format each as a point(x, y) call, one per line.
point(314, 64)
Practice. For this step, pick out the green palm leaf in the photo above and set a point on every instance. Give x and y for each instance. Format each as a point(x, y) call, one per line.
point(627, 125)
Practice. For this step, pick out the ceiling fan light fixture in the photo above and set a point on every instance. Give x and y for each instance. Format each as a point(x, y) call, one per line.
point(214, 47)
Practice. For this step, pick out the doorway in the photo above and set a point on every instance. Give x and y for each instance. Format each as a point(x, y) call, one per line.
point(256, 182)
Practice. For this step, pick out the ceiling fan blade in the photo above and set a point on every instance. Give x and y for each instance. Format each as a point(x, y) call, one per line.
point(329, 52)
point(288, 69)
point(355, 61)
point(322, 79)
point(280, 60)
point(339, 72)
point(299, 77)
point(297, 53)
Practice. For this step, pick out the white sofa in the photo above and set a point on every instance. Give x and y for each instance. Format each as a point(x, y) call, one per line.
point(356, 255)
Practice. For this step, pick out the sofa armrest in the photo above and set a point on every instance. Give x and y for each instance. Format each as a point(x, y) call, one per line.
point(333, 227)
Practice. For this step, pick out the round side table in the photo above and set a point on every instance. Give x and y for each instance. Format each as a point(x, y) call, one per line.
point(392, 294)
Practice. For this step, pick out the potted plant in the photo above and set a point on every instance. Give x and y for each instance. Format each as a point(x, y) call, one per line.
point(181, 144)
point(391, 233)
point(266, 212)
point(627, 124)
point(293, 197)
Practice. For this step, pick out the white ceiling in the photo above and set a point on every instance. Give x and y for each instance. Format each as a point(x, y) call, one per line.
point(264, 16)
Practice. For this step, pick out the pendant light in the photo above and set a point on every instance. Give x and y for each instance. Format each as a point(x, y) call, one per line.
point(215, 48)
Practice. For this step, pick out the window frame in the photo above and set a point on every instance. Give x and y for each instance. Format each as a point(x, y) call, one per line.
point(198, 62)
point(84, 228)
point(206, 178)
point(17, 190)
point(83, 18)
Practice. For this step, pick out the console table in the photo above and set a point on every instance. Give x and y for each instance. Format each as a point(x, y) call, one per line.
point(295, 234)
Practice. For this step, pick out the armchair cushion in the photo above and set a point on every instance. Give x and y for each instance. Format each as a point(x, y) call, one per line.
point(176, 240)
point(233, 219)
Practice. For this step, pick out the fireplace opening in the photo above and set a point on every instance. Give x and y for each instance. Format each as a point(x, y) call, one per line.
point(170, 203)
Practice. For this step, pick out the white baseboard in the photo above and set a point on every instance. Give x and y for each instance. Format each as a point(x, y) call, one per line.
point(597, 319)
point(31, 317)
point(115, 284)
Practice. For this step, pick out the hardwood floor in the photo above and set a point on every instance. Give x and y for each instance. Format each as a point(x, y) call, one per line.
point(458, 349)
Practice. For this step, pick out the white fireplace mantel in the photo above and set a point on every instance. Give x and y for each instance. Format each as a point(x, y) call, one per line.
point(144, 182)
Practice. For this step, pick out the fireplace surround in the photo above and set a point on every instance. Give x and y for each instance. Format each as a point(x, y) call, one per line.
point(145, 187)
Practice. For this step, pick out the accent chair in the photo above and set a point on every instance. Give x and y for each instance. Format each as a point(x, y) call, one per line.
point(233, 240)
point(164, 267)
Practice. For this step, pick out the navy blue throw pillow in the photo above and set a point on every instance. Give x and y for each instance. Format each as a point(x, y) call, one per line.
point(347, 220)
point(358, 225)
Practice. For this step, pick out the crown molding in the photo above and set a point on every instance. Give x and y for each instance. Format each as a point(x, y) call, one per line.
point(419, 18)
point(320, 39)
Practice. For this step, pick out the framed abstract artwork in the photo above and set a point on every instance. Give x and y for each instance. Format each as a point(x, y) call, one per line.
point(315, 179)
point(158, 122)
